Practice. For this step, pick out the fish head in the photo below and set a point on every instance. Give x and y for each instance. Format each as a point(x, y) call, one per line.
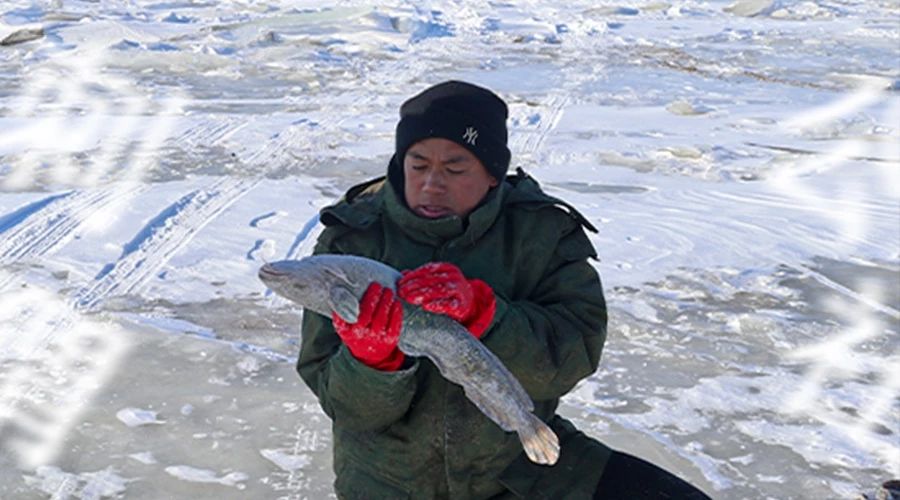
point(327, 283)
point(299, 281)
point(313, 283)
point(284, 276)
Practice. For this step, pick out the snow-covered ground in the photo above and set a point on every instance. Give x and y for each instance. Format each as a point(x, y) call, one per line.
point(741, 159)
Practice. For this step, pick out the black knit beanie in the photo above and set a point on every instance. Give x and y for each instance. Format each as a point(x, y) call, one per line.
point(467, 114)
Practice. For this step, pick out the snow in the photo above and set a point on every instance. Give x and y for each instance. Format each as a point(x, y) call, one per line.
point(86, 486)
point(286, 460)
point(739, 157)
point(134, 417)
point(146, 458)
point(193, 474)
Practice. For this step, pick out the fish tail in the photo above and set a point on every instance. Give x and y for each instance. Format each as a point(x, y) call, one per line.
point(540, 442)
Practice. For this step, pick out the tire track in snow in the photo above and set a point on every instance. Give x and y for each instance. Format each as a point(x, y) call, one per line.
point(43, 227)
point(282, 147)
point(201, 136)
point(52, 333)
point(211, 133)
point(318, 134)
point(530, 140)
point(155, 244)
point(12, 219)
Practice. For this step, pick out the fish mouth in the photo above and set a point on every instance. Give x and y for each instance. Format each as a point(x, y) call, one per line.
point(269, 271)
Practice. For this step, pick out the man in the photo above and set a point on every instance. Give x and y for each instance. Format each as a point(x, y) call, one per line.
point(508, 262)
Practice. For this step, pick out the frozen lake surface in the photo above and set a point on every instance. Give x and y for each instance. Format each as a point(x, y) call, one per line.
point(740, 158)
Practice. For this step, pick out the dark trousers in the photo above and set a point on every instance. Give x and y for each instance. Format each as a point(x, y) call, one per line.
point(627, 477)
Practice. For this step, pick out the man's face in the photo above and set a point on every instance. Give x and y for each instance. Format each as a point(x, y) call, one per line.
point(443, 178)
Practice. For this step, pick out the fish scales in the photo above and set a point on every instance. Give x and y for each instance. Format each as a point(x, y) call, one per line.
point(467, 362)
point(335, 283)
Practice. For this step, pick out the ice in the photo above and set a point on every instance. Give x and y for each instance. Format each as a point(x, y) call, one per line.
point(145, 457)
point(87, 486)
point(193, 474)
point(740, 159)
point(286, 460)
point(22, 35)
point(136, 417)
point(685, 108)
point(748, 8)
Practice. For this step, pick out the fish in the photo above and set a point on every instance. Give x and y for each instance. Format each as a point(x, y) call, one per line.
point(332, 283)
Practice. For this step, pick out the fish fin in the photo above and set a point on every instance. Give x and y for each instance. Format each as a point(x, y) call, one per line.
point(540, 442)
point(344, 303)
point(340, 274)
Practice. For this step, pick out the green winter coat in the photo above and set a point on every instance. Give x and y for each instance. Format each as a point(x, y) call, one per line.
point(411, 433)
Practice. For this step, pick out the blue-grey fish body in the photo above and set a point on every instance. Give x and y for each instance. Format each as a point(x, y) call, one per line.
point(336, 283)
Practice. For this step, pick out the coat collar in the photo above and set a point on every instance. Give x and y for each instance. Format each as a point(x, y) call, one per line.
point(439, 231)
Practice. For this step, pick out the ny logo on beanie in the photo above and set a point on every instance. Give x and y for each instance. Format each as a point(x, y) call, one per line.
point(470, 135)
point(461, 112)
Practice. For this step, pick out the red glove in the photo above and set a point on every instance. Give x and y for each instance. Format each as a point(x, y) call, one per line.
point(373, 338)
point(441, 287)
